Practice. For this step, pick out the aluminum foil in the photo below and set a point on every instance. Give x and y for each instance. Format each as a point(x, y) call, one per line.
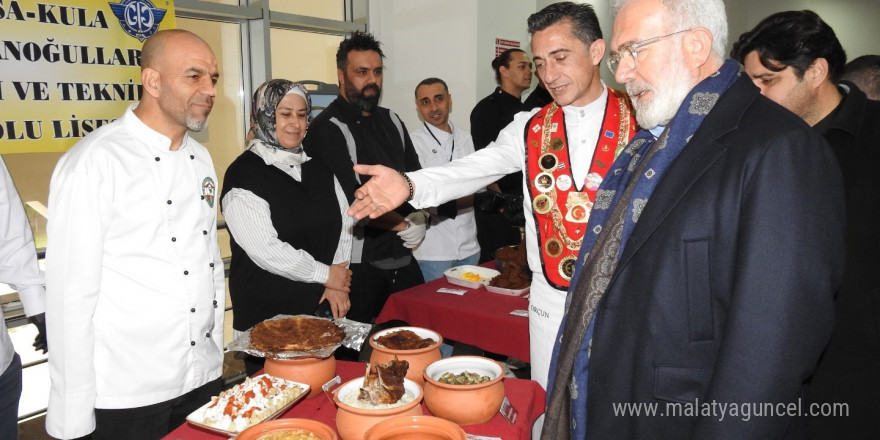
point(355, 335)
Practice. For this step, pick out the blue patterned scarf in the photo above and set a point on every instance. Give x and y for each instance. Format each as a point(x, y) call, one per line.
point(633, 176)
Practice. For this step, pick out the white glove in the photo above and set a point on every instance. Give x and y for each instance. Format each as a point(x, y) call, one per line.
point(416, 226)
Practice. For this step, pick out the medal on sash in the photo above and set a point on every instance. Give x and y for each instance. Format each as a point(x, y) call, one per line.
point(541, 204)
point(560, 205)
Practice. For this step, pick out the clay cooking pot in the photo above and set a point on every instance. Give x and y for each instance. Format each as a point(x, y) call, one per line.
point(314, 372)
point(319, 429)
point(353, 422)
point(464, 404)
point(418, 359)
point(415, 428)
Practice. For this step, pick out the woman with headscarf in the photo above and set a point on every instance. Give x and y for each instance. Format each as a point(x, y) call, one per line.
point(289, 233)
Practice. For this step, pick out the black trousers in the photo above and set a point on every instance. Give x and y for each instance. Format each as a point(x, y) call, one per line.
point(10, 390)
point(494, 231)
point(152, 422)
point(371, 286)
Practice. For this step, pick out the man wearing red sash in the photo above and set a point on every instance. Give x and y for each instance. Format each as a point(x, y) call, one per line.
point(564, 150)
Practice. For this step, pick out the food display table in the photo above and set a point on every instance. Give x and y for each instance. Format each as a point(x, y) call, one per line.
point(526, 396)
point(478, 317)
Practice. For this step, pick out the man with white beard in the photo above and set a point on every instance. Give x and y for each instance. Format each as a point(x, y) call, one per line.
point(712, 253)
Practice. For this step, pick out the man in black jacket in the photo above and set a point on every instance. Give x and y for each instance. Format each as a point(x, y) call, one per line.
point(499, 210)
point(354, 129)
point(796, 60)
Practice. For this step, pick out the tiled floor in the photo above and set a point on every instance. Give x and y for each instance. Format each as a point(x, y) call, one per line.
point(33, 429)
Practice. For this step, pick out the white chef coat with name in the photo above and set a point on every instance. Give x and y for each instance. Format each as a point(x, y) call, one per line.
point(507, 155)
point(447, 239)
point(135, 284)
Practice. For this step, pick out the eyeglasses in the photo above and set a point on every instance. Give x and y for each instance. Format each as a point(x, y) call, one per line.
point(633, 51)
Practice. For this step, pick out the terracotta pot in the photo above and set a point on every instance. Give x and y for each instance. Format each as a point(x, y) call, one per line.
point(352, 423)
point(314, 372)
point(418, 359)
point(319, 429)
point(415, 428)
point(464, 404)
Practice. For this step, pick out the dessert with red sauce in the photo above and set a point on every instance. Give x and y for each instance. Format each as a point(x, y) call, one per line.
point(250, 402)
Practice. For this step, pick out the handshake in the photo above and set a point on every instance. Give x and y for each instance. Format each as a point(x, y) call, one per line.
point(508, 205)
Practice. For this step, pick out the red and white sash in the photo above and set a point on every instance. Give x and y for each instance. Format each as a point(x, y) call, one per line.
point(561, 210)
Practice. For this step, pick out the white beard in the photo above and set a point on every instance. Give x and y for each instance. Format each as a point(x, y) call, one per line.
point(668, 94)
point(195, 124)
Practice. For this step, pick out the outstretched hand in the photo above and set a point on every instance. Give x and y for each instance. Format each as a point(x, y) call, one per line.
point(385, 190)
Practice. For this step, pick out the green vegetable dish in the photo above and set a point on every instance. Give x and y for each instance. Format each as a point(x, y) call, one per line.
point(463, 378)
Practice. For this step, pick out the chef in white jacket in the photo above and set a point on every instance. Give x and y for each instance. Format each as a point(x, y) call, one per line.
point(451, 240)
point(135, 284)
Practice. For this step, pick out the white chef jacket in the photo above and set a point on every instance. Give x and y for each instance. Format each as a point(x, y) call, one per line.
point(504, 156)
point(135, 285)
point(18, 260)
point(447, 239)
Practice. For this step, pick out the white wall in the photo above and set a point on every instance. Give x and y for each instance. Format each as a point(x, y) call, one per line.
point(500, 19)
point(441, 38)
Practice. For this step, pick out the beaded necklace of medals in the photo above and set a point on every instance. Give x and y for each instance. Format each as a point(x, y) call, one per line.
point(560, 209)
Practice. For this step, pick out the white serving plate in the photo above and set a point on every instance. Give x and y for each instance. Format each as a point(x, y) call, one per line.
point(503, 291)
point(455, 276)
point(355, 384)
point(197, 417)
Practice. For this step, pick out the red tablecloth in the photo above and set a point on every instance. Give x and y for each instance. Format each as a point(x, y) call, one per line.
point(478, 317)
point(526, 396)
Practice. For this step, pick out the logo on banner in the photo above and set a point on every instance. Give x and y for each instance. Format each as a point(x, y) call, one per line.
point(138, 18)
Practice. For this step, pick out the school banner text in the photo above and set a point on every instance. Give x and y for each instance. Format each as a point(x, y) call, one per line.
point(69, 67)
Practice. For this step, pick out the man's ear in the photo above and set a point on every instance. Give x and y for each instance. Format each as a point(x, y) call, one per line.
point(340, 79)
point(698, 45)
point(817, 72)
point(504, 71)
point(597, 51)
point(151, 81)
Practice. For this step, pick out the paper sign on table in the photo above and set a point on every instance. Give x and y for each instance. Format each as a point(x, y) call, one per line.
point(331, 386)
point(508, 411)
point(458, 292)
